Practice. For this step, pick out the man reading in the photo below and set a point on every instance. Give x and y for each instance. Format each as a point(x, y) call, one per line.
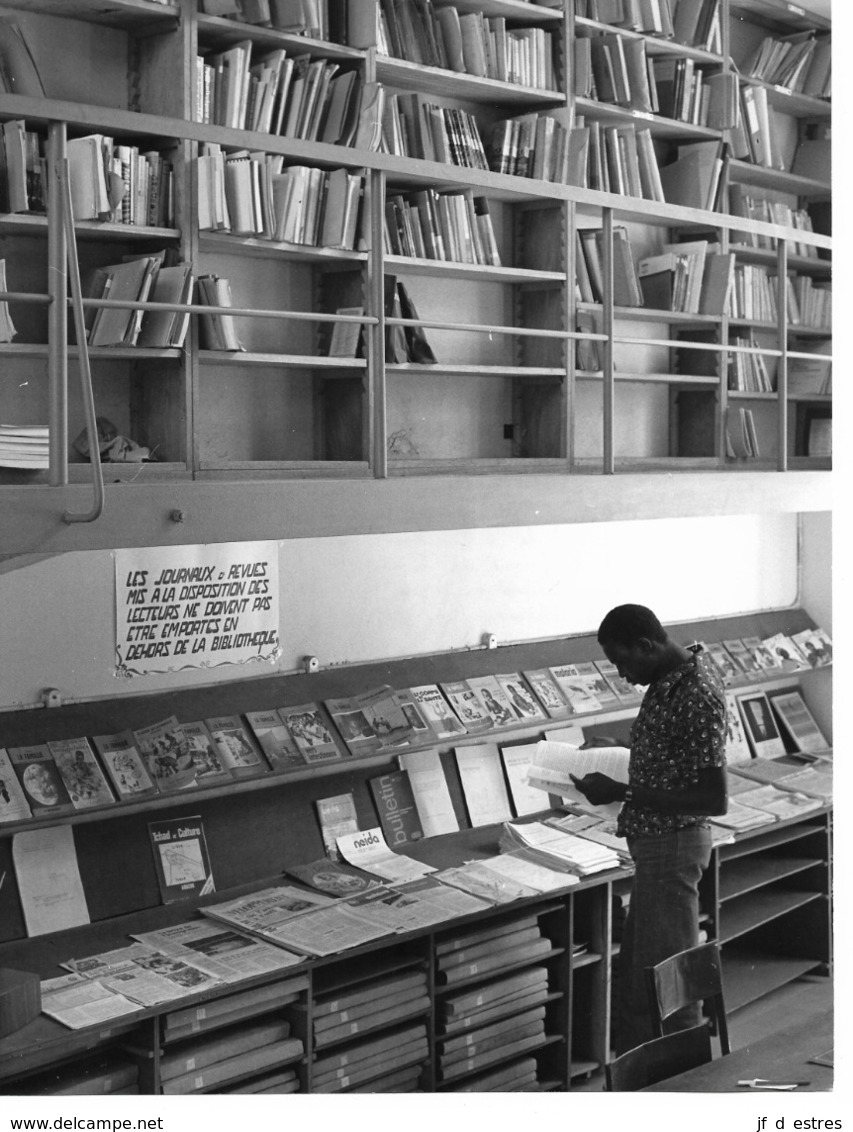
point(676, 780)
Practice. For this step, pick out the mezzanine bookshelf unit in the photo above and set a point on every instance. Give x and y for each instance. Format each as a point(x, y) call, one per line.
point(525, 375)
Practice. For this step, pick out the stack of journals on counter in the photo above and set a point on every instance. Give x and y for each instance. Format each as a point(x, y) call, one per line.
point(389, 1062)
point(347, 1013)
point(556, 849)
point(780, 803)
point(201, 1064)
point(489, 951)
point(99, 1075)
point(23, 446)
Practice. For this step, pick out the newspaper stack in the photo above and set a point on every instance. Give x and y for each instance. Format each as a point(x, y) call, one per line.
point(556, 849)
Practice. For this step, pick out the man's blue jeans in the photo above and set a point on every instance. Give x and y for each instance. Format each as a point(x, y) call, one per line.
point(663, 918)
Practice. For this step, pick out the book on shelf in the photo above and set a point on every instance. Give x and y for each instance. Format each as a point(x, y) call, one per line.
point(353, 725)
point(128, 281)
point(696, 23)
point(13, 801)
point(181, 858)
point(548, 692)
point(124, 766)
point(742, 657)
point(760, 726)
point(337, 878)
point(39, 777)
point(232, 1068)
point(18, 71)
point(81, 772)
point(815, 646)
point(788, 656)
point(693, 179)
point(24, 446)
point(799, 62)
point(762, 657)
point(525, 706)
point(741, 437)
point(99, 1074)
point(279, 1081)
point(494, 699)
point(625, 692)
point(481, 774)
point(227, 1009)
point(337, 817)
point(163, 328)
point(274, 739)
point(798, 721)
point(210, 769)
point(397, 808)
point(7, 327)
point(236, 746)
point(218, 330)
point(467, 705)
point(311, 732)
point(627, 291)
point(595, 683)
point(737, 746)
point(429, 786)
point(166, 755)
point(575, 688)
point(437, 711)
point(228, 1043)
point(521, 934)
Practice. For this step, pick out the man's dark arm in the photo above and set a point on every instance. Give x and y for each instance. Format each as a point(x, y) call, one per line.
point(709, 796)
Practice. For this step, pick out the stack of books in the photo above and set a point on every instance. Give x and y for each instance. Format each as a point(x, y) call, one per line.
point(799, 62)
point(278, 1081)
point(99, 1075)
point(345, 1014)
point(542, 146)
point(415, 127)
point(652, 18)
point(741, 437)
point(24, 446)
point(97, 165)
point(309, 18)
point(496, 1021)
point(391, 1062)
point(491, 950)
point(229, 1010)
point(138, 280)
point(204, 1063)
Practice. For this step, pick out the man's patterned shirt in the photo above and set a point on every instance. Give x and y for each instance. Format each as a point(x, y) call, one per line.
point(680, 730)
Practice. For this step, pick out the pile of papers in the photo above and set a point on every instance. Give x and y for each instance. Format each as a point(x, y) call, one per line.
point(557, 849)
point(24, 446)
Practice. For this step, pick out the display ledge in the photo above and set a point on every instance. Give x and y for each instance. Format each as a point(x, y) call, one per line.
point(655, 45)
point(792, 102)
point(284, 470)
point(96, 353)
point(750, 395)
point(225, 508)
point(444, 268)
point(440, 83)
point(793, 829)
point(114, 13)
point(652, 314)
point(448, 1084)
point(250, 358)
point(113, 473)
point(215, 32)
point(17, 223)
point(802, 264)
point(522, 10)
point(779, 15)
point(652, 378)
point(795, 328)
point(760, 870)
point(476, 466)
point(762, 907)
point(748, 976)
point(760, 177)
point(229, 244)
point(413, 369)
point(660, 127)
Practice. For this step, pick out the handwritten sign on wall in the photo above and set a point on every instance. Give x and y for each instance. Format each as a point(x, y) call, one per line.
point(196, 606)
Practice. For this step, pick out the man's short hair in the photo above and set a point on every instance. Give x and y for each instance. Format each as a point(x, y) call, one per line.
point(626, 624)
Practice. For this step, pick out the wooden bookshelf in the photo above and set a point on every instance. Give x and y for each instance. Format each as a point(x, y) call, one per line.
point(156, 107)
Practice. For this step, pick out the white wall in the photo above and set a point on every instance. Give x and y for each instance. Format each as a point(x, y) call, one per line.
point(371, 597)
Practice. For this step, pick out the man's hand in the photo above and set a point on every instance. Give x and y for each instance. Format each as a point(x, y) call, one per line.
point(599, 789)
